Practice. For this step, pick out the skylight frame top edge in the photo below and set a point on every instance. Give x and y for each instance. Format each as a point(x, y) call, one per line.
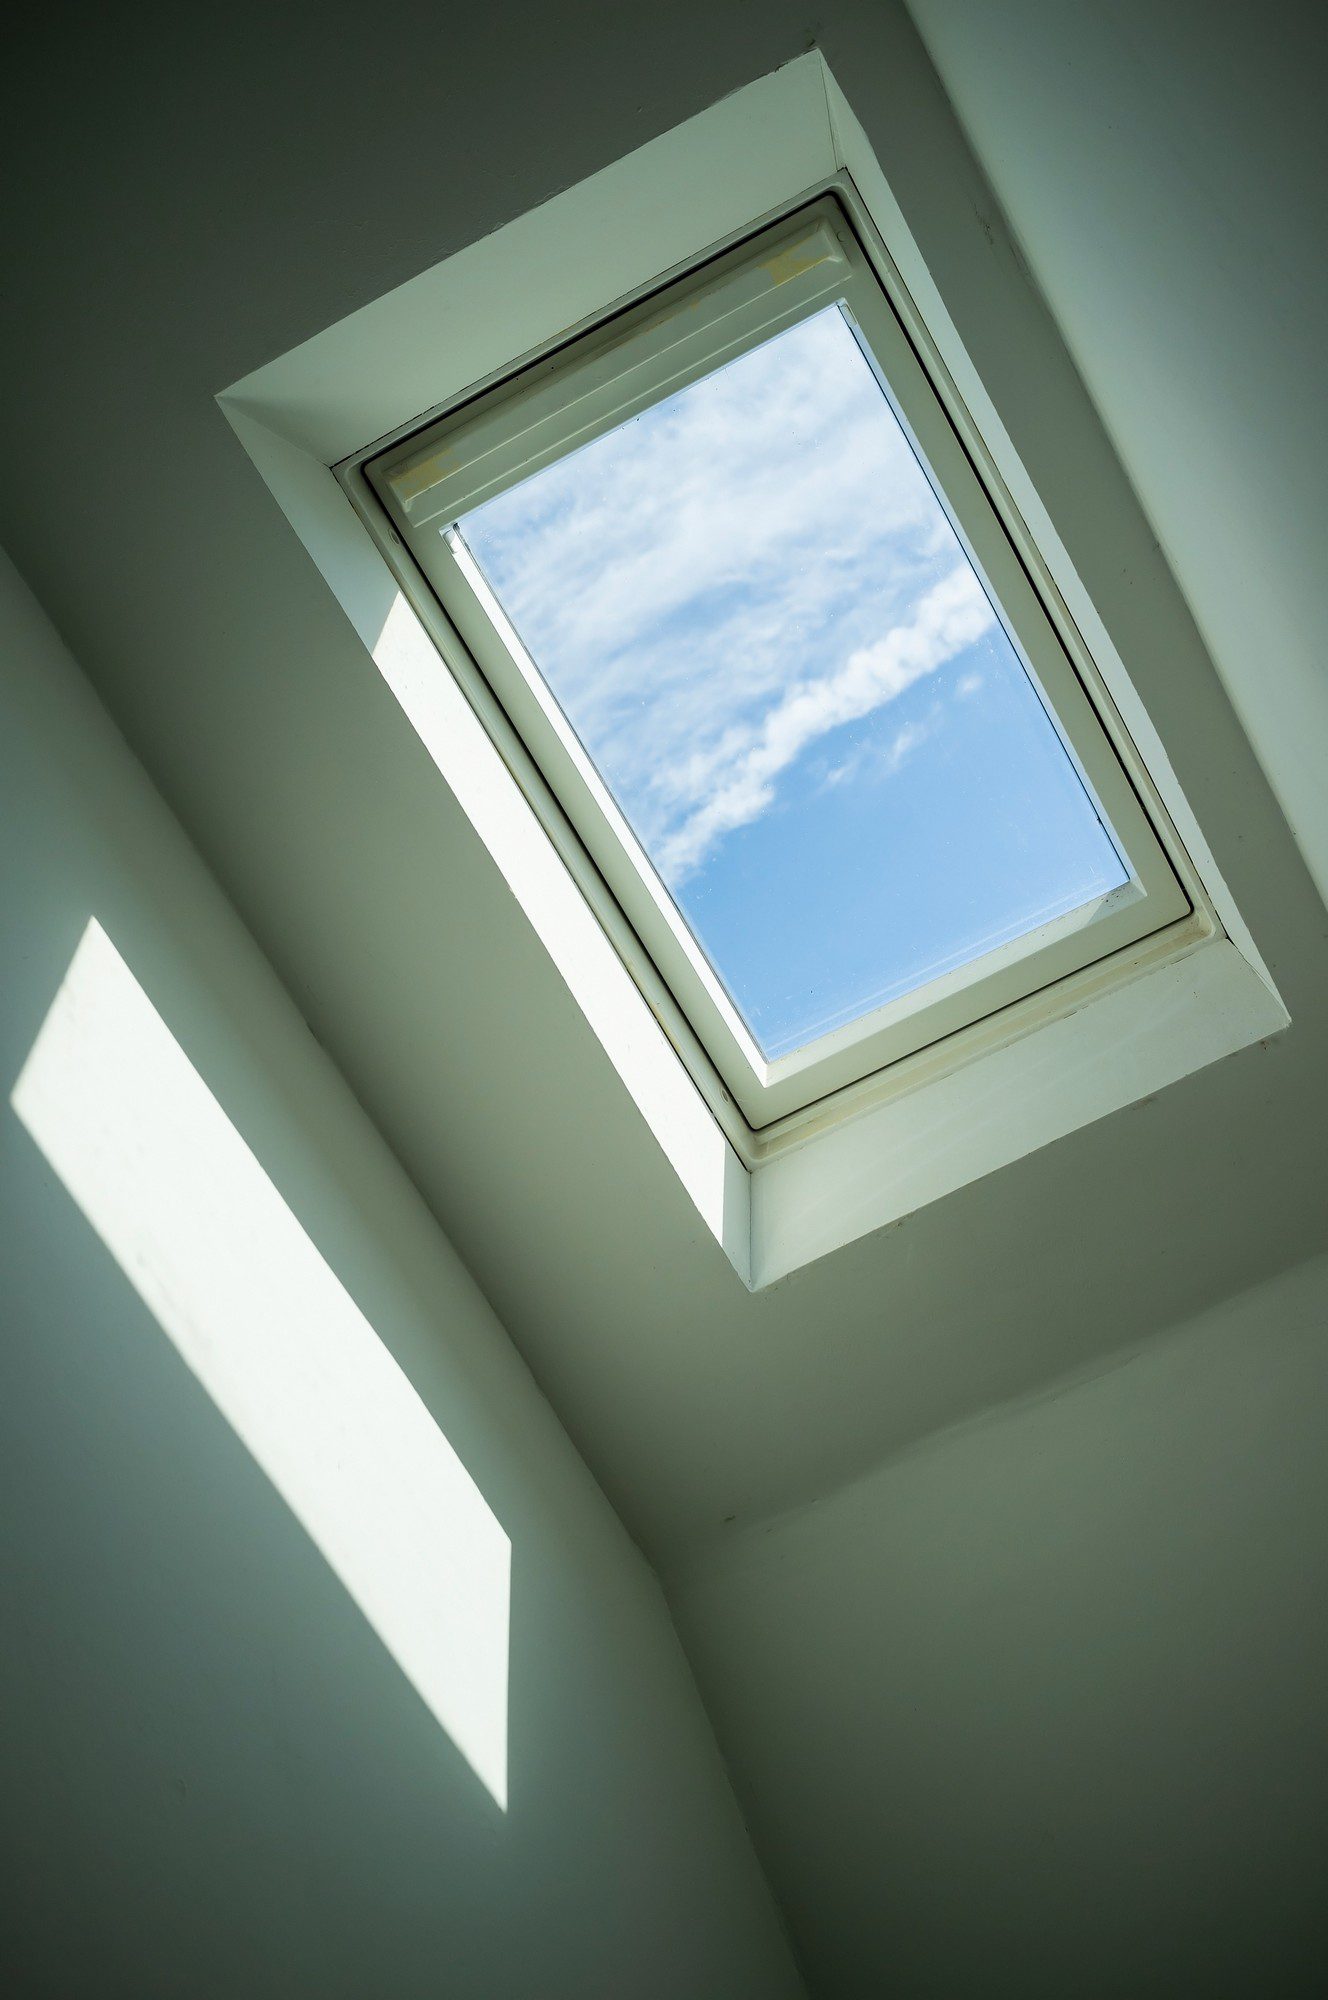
point(670, 349)
point(767, 1090)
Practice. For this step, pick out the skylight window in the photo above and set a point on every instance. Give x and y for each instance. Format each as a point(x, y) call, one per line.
point(739, 592)
point(755, 614)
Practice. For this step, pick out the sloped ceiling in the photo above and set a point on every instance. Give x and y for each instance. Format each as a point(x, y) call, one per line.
point(196, 194)
point(1166, 173)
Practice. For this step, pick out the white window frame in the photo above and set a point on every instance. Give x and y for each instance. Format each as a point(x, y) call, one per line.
point(482, 445)
point(937, 1121)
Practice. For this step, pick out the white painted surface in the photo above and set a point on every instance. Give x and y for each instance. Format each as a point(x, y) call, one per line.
point(137, 293)
point(943, 1124)
point(1037, 1710)
point(352, 382)
point(294, 176)
point(467, 759)
point(1164, 170)
point(961, 1125)
point(206, 1240)
point(328, 1669)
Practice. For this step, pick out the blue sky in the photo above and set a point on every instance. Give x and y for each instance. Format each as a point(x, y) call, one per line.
point(757, 617)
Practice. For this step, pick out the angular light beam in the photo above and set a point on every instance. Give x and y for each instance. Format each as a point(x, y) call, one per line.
point(207, 1241)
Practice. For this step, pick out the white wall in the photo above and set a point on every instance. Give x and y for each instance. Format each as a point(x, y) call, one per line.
point(1039, 1709)
point(220, 1778)
point(158, 259)
point(1164, 170)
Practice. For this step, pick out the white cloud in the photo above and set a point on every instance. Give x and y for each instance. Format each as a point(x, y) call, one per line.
point(868, 761)
point(950, 617)
point(727, 579)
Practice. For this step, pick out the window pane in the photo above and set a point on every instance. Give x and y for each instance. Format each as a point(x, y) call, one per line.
point(755, 614)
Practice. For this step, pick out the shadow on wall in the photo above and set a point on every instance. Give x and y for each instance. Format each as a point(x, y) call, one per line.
point(231, 1277)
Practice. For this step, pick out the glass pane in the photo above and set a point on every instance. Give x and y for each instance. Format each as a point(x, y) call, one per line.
point(755, 614)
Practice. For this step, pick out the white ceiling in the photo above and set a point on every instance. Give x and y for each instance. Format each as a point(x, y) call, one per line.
point(188, 232)
point(1166, 172)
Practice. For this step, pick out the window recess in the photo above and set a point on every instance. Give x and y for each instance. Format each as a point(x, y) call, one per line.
point(736, 602)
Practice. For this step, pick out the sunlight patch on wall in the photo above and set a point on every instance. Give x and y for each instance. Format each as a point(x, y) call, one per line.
point(211, 1247)
point(676, 1113)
